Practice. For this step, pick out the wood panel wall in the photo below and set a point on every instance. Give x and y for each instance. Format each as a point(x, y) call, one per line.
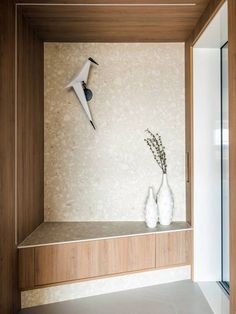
point(30, 129)
point(107, 23)
point(9, 296)
point(232, 148)
point(198, 2)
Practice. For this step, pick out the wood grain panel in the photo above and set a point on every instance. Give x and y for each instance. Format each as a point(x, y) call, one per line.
point(30, 130)
point(173, 249)
point(74, 261)
point(114, 23)
point(9, 296)
point(198, 2)
point(141, 252)
point(26, 268)
point(232, 148)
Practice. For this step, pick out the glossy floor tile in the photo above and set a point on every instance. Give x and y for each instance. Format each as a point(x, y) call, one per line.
point(182, 297)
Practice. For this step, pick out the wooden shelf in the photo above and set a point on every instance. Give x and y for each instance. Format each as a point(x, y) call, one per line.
point(50, 233)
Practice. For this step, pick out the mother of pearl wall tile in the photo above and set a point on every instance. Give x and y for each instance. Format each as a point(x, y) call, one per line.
point(105, 174)
point(103, 285)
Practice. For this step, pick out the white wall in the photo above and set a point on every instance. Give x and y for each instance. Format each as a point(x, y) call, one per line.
point(207, 167)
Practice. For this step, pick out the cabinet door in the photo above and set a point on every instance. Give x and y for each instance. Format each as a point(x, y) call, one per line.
point(74, 261)
point(173, 249)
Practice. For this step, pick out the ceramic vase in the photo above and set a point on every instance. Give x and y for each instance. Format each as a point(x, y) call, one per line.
point(165, 202)
point(151, 212)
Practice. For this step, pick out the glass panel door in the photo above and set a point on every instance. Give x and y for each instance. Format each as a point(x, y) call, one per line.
point(225, 167)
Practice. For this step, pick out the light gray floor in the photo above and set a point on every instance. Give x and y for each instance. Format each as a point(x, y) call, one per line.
point(182, 297)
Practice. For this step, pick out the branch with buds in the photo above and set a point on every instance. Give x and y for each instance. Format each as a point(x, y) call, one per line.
point(154, 142)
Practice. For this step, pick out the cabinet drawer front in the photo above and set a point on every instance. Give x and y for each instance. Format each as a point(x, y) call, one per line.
point(74, 261)
point(173, 248)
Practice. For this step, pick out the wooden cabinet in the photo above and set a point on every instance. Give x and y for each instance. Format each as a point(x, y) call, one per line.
point(173, 249)
point(75, 261)
point(61, 263)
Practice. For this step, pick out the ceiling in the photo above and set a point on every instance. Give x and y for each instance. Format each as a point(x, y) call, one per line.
point(114, 21)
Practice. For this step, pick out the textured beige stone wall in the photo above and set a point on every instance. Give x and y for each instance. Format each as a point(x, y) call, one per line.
point(105, 174)
point(103, 286)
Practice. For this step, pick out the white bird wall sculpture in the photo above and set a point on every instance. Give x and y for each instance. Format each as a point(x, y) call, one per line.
point(79, 84)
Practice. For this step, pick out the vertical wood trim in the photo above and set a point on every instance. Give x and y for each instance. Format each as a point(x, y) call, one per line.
point(189, 130)
point(9, 296)
point(26, 268)
point(30, 129)
point(189, 141)
point(232, 148)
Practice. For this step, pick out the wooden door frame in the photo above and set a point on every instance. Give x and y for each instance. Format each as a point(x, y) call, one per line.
point(9, 294)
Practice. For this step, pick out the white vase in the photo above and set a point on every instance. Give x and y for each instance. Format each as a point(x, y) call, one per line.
point(151, 213)
point(165, 202)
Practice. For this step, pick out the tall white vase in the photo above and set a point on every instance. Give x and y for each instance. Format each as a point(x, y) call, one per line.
point(165, 202)
point(151, 213)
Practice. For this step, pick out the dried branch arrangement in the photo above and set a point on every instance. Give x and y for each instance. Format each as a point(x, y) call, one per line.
point(154, 142)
